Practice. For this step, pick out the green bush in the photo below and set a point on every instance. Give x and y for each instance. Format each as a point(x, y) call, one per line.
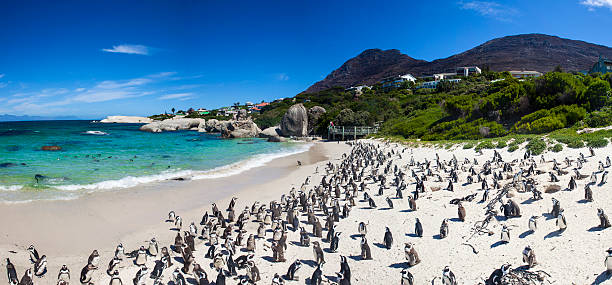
point(601, 118)
point(512, 147)
point(501, 144)
point(484, 145)
point(597, 142)
point(536, 146)
point(468, 145)
point(557, 148)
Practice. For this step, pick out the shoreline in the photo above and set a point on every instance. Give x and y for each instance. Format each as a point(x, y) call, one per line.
point(68, 230)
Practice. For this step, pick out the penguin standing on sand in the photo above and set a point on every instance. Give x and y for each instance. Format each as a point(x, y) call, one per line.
point(304, 238)
point(448, 277)
point(444, 229)
point(317, 252)
point(141, 276)
point(366, 254)
point(362, 228)
point(533, 223)
point(418, 228)
point(388, 239)
point(12, 273)
point(505, 234)
point(603, 219)
point(160, 265)
point(153, 247)
point(119, 251)
point(498, 274)
point(33, 254)
point(412, 203)
point(588, 193)
point(63, 275)
point(389, 202)
point(317, 276)
point(529, 257)
point(115, 278)
point(333, 246)
point(561, 222)
point(461, 212)
point(407, 278)
point(141, 258)
point(178, 278)
point(86, 273)
point(26, 279)
point(112, 265)
point(94, 259)
point(293, 269)
point(412, 257)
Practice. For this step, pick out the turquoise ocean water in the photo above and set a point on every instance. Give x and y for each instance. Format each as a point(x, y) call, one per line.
point(98, 157)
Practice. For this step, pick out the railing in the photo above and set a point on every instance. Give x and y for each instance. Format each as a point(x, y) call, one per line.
point(348, 131)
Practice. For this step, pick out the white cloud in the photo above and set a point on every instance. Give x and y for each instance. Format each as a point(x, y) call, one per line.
point(283, 77)
point(79, 90)
point(592, 4)
point(162, 74)
point(3, 84)
point(129, 49)
point(180, 96)
point(1, 75)
point(489, 9)
point(111, 84)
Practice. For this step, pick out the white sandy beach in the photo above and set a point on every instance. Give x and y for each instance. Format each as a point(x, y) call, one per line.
point(67, 231)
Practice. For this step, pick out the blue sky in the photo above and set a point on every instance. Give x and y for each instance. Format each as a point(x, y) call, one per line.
point(100, 57)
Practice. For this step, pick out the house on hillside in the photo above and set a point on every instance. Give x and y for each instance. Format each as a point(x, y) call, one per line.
point(396, 81)
point(203, 111)
point(525, 74)
point(468, 70)
point(434, 84)
point(603, 65)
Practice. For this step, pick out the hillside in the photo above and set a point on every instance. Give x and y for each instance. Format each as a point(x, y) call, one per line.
point(521, 52)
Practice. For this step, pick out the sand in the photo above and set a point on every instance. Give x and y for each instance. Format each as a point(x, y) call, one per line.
point(67, 231)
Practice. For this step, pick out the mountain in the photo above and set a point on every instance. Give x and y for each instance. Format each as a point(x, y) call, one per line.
point(13, 118)
point(521, 52)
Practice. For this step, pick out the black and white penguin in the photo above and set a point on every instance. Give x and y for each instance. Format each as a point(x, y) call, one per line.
point(461, 212)
point(412, 203)
point(171, 216)
point(333, 246)
point(362, 228)
point(11, 273)
point(26, 279)
point(498, 274)
point(389, 202)
point(293, 269)
point(178, 278)
point(141, 276)
point(317, 276)
point(158, 269)
point(40, 266)
point(63, 275)
point(418, 228)
point(412, 257)
point(608, 261)
point(529, 257)
point(304, 237)
point(317, 252)
point(201, 276)
point(407, 278)
point(388, 238)
point(505, 234)
point(604, 222)
point(345, 269)
point(448, 277)
point(371, 203)
point(561, 222)
point(220, 278)
point(366, 253)
point(588, 193)
point(94, 259)
point(533, 223)
point(33, 254)
point(141, 257)
point(120, 251)
point(444, 229)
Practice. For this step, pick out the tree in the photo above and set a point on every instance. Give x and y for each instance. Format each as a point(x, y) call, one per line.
point(173, 110)
point(596, 95)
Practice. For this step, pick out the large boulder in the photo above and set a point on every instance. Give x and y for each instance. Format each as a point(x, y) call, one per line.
point(314, 114)
point(270, 132)
point(170, 125)
point(213, 126)
point(295, 122)
point(239, 129)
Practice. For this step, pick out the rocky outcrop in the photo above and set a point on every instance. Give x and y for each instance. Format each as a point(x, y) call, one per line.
point(127, 120)
point(239, 129)
point(314, 114)
point(214, 125)
point(51, 148)
point(295, 122)
point(270, 132)
point(170, 125)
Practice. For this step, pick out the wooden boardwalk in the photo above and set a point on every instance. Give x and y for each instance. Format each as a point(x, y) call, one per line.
point(344, 132)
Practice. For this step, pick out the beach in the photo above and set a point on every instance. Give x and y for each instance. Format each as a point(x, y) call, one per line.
point(67, 231)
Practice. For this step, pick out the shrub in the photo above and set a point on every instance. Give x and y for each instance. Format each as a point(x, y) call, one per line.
point(501, 144)
point(536, 146)
point(601, 118)
point(512, 147)
point(468, 146)
point(484, 145)
point(557, 148)
point(597, 142)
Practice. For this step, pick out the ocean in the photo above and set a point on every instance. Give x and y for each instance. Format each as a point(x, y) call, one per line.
point(99, 157)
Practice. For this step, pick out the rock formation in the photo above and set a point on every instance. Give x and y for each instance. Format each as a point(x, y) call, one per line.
point(295, 122)
point(170, 125)
point(314, 114)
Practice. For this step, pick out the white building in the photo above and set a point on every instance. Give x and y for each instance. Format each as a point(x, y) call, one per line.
point(434, 84)
point(525, 74)
point(468, 70)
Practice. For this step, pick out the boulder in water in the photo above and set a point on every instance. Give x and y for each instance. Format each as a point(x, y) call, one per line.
point(51, 148)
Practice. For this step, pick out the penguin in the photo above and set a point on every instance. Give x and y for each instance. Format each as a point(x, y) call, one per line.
point(94, 259)
point(608, 261)
point(40, 267)
point(556, 207)
point(141, 276)
point(12, 273)
point(115, 279)
point(529, 257)
point(388, 238)
point(448, 277)
point(498, 274)
point(219, 262)
point(603, 219)
point(505, 234)
point(533, 223)
point(86, 273)
point(202, 277)
point(211, 252)
point(317, 276)
point(153, 247)
point(317, 252)
point(171, 216)
point(112, 265)
point(604, 178)
point(412, 203)
point(26, 279)
point(561, 222)
point(362, 228)
point(304, 238)
point(461, 212)
point(220, 278)
point(141, 258)
point(293, 269)
point(253, 272)
point(333, 246)
point(119, 251)
point(178, 223)
point(166, 253)
point(178, 278)
point(371, 203)
point(62, 276)
point(193, 230)
point(345, 269)
point(366, 253)
point(158, 269)
point(33, 254)
point(251, 243)
point(407, 278)
point(389, 202)
point(444, 229)
point(412, 257)
point(418, 228)
point(588, 193)
point(277, 280)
